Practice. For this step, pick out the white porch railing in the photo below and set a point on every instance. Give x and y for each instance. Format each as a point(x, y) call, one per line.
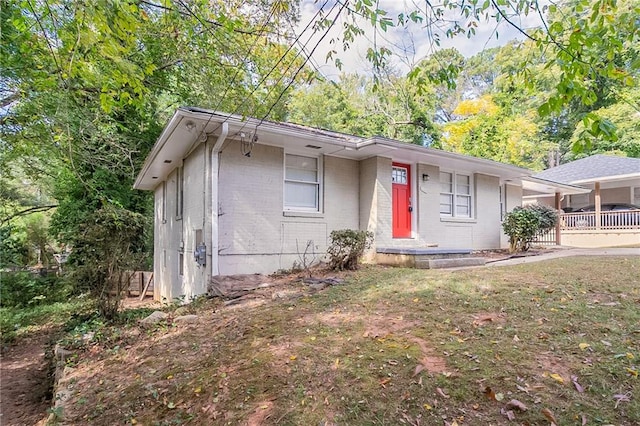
point(609, 220)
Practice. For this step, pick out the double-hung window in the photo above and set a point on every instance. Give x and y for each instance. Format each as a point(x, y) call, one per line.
point(455, 195)
point(302, 179)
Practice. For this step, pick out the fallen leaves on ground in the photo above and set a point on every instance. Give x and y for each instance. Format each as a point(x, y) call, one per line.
point(574, 380)
point(490, 393)
point(514, 403)
point(509, 414)
point(441, 393)
point(549, 415)
point(558, 378)
point(622, 397)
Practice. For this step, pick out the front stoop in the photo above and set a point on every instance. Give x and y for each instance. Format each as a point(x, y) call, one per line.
point(427, 258)
point(453, 263)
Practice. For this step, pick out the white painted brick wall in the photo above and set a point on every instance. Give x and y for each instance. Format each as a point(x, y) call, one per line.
point(481, 232)
point(255, 234)
point(384, 198)
point(177, 234)
point(514, 199)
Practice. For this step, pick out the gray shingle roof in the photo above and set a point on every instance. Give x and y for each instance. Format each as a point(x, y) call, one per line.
point(591, 168)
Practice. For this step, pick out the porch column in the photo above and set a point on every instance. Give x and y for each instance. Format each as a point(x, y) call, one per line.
point(597, 205)
point(557, 203)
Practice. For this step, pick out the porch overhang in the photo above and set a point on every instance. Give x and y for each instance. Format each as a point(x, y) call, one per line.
point(536, 188)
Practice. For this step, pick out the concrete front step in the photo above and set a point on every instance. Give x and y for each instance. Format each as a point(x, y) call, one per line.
point(426, 257)
point(449, 263)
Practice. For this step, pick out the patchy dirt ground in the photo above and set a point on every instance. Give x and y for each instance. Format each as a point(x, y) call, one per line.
point(25, 394)
point(391, 346)
point(24, 387)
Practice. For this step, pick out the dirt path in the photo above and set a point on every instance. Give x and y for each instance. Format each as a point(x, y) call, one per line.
point(23, 382)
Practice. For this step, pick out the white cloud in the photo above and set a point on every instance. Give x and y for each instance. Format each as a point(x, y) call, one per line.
point(409, 45)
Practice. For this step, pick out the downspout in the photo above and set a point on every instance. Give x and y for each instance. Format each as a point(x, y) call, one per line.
point(213, 216)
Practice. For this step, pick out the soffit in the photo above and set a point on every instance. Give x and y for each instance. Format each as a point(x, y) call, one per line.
point(190, 127)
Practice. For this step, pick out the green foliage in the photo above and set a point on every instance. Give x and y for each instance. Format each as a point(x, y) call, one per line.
point(346, 248)
point(588, 47)
point(594, 45)
point(23, 288)
point(392, 107)
point(13, 249)
point(627, 140)
point(523, 223)
point(109, 244)
point(86, 89)
point(487, 130)
point(16, 321)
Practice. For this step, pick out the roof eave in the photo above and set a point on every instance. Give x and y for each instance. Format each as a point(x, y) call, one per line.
point(157, 147)
point(614, 178)
point(545, 186)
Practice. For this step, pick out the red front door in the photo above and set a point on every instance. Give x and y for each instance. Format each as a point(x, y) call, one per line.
point(401, 186)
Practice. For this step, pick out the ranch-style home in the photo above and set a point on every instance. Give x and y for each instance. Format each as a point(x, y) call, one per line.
point(238, 195)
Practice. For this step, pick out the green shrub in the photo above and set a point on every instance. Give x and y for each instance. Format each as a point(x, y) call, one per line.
point(110, 245)
point(522, 224)
point(347, 246)
point(23, 288)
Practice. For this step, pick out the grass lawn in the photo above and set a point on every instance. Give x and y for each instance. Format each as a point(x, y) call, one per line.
point(388, 346)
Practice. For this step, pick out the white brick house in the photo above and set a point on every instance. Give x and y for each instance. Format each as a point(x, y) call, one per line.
point(248, 196)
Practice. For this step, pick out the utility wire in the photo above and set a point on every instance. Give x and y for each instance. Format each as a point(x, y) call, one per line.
point(292, 80)
point(209, 21)
point(283, 56)
point(301, 66)
point(311, 21)
point(264, 26)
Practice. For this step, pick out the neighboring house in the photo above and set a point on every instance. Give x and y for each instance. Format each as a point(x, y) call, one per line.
point(607, 179)
point(615, 179)
point(239, 195)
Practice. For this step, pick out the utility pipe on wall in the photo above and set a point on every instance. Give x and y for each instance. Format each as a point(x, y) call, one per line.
point(213, 214)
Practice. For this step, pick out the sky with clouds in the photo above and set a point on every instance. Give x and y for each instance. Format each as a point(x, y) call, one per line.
point(409, 45)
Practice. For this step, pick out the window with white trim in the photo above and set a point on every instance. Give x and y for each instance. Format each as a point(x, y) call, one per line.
point(302, 179)
point(455, 195)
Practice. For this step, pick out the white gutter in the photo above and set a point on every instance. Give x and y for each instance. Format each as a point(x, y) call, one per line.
point(607, 178)
point(213, 214)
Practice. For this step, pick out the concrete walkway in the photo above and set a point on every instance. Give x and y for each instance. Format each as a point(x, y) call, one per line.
point(568, 252)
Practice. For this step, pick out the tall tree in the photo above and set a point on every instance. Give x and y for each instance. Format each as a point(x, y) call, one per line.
point(87, 87)
point(392, 108)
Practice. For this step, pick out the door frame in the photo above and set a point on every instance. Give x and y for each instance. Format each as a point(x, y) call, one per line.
point(411, 188)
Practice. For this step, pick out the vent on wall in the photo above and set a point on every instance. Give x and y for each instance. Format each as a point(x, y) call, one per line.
point(313, 146)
